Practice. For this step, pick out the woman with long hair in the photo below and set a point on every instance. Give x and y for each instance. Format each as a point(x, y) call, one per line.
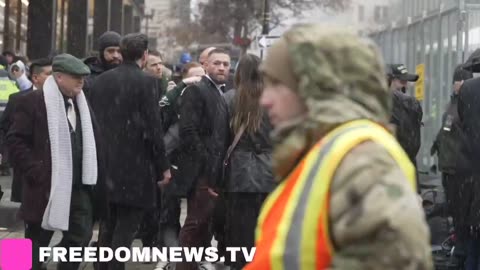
point(249, 177)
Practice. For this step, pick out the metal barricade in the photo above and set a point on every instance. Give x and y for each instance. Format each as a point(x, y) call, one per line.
point(436, 35)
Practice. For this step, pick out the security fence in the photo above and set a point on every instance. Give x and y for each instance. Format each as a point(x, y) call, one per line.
point(431, 37)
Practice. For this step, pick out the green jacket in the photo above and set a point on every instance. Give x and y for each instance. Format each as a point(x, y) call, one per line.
point(169, 105)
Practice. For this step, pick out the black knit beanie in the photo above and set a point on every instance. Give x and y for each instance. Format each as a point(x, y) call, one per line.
point(108, 39)
point(461, 74)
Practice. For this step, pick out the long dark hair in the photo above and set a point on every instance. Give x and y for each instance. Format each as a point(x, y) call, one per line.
point(249, 87)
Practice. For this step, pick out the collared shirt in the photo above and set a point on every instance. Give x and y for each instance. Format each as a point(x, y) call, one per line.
point(220, 87)
point(76, 141)
point(67, 105)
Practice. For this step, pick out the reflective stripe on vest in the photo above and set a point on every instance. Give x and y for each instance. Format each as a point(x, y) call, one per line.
point(292, 231)
point(7, 87)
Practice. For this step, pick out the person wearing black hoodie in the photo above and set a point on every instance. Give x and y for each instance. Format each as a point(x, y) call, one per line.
point(109, 57)
point(468, 112)
point(450, 146)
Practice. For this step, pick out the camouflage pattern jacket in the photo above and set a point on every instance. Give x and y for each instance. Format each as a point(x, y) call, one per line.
point(376, 220)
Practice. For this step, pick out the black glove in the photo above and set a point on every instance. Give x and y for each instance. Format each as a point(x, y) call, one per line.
point(434, 149)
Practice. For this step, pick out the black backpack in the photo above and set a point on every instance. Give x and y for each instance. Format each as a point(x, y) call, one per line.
point(407, 116)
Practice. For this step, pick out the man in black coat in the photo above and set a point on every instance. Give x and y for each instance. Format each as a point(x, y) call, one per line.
point(407, 112)
point(203, 129)
point(109, 57)
point(450, 146)
point(125, 103)
point(74, 169)
point(39, 70)
point(469, 113)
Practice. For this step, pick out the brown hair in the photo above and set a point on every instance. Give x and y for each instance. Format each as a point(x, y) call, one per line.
point(155, 53)
point(186, 68)
point(218, 51)
point(249, 88)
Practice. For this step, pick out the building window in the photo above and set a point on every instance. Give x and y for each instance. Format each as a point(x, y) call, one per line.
point(361, 13)
point(378, 14)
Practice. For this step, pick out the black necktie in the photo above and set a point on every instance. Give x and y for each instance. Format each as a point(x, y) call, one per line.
point(72, 117)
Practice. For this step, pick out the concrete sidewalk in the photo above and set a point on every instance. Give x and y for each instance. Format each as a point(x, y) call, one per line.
point(8, 209)
point(12, 227)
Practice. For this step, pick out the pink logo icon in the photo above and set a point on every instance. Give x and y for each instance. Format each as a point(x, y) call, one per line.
point(16, 254)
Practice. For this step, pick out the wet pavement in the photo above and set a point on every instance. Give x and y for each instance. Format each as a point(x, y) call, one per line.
point(12, 227)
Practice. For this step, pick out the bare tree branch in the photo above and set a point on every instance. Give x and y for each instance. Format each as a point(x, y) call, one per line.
point(224, 20)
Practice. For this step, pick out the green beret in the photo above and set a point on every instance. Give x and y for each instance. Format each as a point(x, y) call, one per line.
point(67, 63)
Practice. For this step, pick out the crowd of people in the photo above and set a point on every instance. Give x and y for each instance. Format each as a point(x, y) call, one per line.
point(310, 157)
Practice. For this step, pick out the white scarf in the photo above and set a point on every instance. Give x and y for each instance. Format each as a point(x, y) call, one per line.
point(57, 213)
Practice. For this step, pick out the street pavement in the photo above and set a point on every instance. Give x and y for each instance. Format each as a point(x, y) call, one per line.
point(12, 227)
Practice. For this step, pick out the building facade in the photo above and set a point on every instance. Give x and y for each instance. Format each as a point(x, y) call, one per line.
point(13, 17)
point(161, 18)
point(36, 28)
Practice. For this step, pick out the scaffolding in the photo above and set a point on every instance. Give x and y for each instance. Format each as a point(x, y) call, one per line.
point(436, 35)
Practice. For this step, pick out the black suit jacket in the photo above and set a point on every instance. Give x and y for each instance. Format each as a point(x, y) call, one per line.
point(29, 147)
point(469, 114)
point(125, 102)
point(203, 129)
point(5, 123)
point(7, 115)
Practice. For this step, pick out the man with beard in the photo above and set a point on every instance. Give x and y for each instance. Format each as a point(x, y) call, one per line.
point(109, 58)
point(468, 112)
point(453, 161)
point(203, 133)
point(407, 112)
point(203, 58)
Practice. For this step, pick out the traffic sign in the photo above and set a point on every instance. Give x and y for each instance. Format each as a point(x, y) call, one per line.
point(266, 41)
point(420, 84)
point(263, 42)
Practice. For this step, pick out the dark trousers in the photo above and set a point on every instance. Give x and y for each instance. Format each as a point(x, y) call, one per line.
point(473, 255)
point(196, 230)
point(242, 210)
point(459, 193)
point(119, 230)
point(79, 229)
point(5, 164)
point(148, 230)
point(169, 219)
point(161, 226)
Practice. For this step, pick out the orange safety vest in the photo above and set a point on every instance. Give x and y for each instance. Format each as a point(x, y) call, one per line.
point(292, 231)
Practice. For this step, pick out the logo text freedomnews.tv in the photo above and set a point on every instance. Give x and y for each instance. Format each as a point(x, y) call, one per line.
point(16, 254)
